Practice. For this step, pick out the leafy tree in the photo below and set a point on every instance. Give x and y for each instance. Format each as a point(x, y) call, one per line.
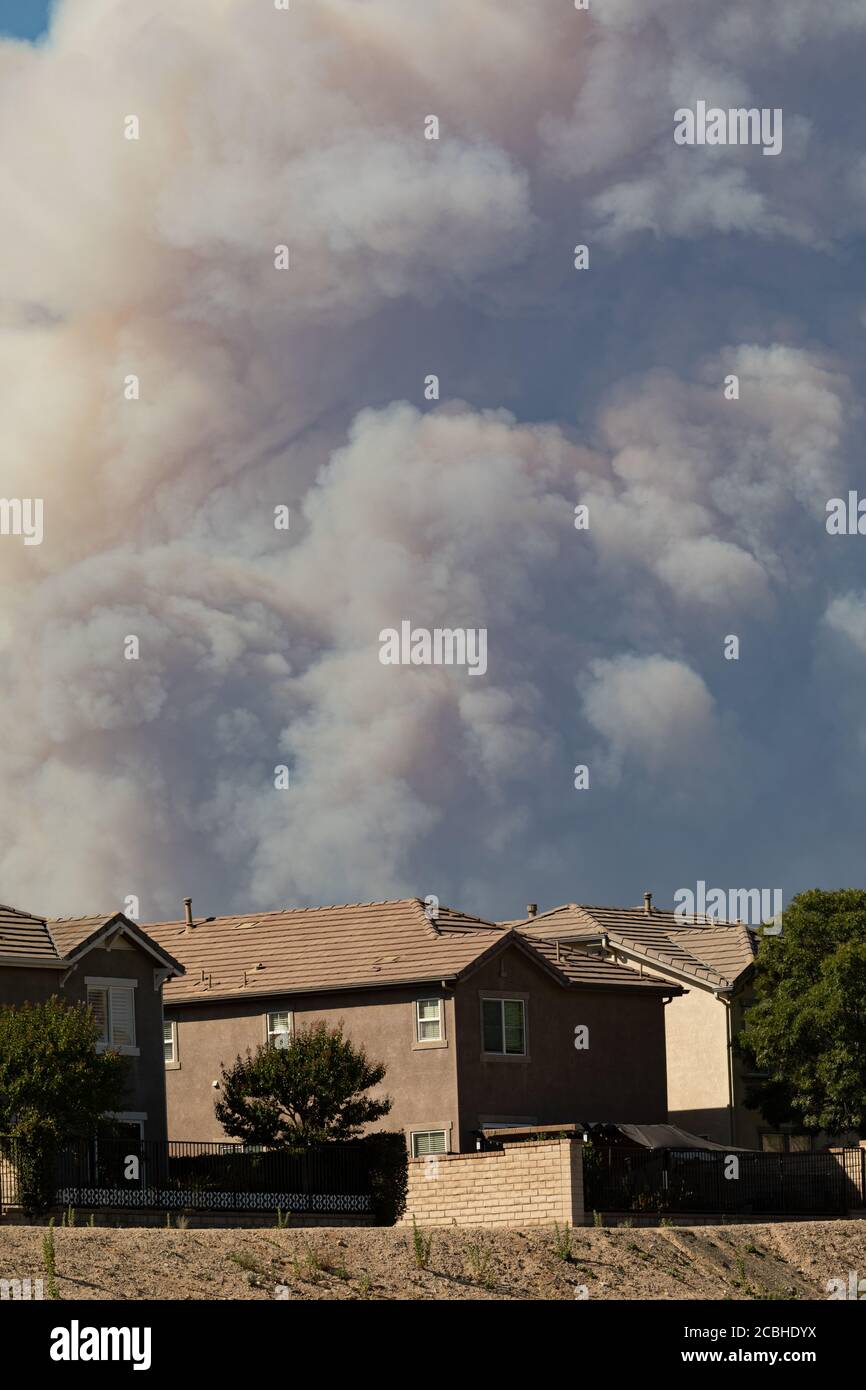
point(53, 1082)
point(310, 1091)
point(807, 1028)
point(54, 1086)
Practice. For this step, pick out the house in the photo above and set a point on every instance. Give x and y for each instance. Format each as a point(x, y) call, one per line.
point(476, 1023)
point(111, 964)
point(713, 962)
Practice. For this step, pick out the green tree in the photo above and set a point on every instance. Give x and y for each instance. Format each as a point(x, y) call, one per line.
point(807, 1029)
point(54, 1086)
point(302, 1094)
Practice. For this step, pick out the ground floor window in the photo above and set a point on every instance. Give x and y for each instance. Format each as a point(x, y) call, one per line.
point(787, 1143)
point(428, 1141)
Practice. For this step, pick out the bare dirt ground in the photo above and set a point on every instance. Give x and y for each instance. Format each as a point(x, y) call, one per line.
point(722, 1262)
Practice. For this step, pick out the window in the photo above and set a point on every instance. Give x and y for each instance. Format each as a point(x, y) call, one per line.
point(428, 1141)
point(428, 1020)
point(279, 1029)
point(169, 1041)
point(787, 1143)
point(113, 1005)
point(504, 1026)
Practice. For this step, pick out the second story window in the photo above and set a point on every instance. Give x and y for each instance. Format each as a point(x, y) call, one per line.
point(169, 1041)
point(113, 1005)
point(279, 1028)
point(504, 1026)
point(428, 1020)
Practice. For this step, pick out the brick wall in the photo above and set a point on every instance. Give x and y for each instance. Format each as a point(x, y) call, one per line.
point(522, 1184)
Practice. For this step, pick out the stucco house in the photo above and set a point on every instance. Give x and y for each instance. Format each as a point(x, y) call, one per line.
point(476, 1023)
point(713, 962)
point(109, 963)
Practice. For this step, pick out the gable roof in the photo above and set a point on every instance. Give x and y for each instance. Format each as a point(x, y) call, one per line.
point(707, 951)
point(579, 969)
point(75, 936)
point(26, 940)
point(356, 946)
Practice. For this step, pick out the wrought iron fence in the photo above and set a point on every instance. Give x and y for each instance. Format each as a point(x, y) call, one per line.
point(692, 1180)
point(150, 1174)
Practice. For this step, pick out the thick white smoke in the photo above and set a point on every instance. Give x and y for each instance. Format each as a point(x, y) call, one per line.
point(258, 647)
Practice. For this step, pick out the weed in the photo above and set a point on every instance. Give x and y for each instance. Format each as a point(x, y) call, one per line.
point(421, 1245)
point(49, 1260)
point(480, 1262)
point(562, 1241)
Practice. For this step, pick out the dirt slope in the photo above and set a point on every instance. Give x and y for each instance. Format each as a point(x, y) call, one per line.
point(738, 1262)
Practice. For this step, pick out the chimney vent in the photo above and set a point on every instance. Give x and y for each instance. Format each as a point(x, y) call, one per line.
point(531, 909)
point(648, 904)
point(187, 907)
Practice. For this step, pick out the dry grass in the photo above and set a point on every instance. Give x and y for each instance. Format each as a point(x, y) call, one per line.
point(738, 1262)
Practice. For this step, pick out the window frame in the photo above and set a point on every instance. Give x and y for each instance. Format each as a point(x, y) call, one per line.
point(503, 997)
point(417, 1041)
point(107, 984)
point(786, 1136)
point(444, 1130)
point(171, 1063)
point(289, 1032)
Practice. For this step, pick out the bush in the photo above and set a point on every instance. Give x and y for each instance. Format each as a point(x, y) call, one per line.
point(388, 1173)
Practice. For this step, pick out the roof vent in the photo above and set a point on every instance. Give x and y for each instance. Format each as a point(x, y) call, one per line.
point(531, 909)
point(648, 904)
point(187, 907)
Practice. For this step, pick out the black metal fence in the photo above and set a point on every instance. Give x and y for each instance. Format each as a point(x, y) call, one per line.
point(692, 1180)
point(149, 1174)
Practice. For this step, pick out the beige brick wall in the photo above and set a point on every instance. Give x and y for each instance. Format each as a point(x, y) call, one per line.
point(523, 1184)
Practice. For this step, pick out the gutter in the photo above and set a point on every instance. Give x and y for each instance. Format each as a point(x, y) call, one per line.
point(31, 964)
point(207, 996)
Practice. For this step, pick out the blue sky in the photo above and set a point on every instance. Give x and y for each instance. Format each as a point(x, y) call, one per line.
point(24, 19)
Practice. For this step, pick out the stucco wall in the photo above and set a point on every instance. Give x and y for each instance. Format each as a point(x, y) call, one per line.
point(620, 1077)
point(531, 1184)
point(420, 1079)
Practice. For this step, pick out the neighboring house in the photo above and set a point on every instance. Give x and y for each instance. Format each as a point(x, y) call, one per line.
point(713, 961)
point(475, 1023)
point(112, 965)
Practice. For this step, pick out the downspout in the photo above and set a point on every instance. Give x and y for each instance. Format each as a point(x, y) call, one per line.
point(728, 1003)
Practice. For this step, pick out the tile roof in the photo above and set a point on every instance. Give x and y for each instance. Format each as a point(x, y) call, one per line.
point(355, 946)
point(69, 933)
point(578, 968)
point(74, 936)
point(25, 938)
point(705, 950)
point(349, 946)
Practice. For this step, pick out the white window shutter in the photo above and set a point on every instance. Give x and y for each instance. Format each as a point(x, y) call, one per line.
point(122, 1016)
point(97, 1000)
